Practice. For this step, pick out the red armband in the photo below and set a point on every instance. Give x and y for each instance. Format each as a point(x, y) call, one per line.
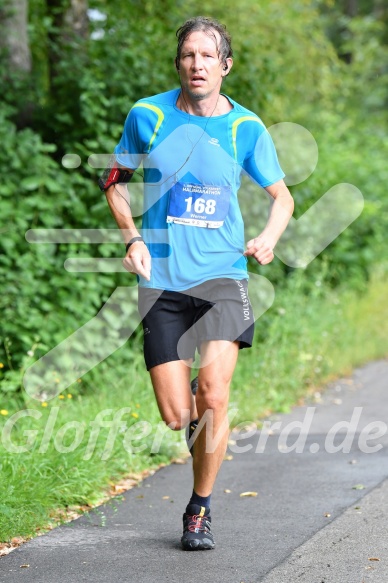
point(114, 175)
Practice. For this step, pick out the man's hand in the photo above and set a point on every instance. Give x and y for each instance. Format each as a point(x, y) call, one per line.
point(282, 206)
point(261, 248)
point(138, 260)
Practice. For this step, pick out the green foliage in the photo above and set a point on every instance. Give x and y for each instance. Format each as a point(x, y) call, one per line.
point(40, 303)
point(79, 92)
point(308, 337)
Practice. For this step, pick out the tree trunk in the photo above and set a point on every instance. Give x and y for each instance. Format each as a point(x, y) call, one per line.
point(70, 20)
point(14, 37)
point(351, 8)
point(67, 56)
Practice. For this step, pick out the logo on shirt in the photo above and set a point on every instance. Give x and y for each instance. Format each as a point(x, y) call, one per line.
point(214, 141)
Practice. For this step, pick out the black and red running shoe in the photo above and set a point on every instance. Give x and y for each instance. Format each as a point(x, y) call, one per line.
point(197, 534)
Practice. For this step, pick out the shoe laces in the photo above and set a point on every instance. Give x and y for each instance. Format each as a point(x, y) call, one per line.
point(198, 523)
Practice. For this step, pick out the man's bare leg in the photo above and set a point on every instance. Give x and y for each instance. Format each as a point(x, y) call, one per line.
point(212, 400)
point(171, 382)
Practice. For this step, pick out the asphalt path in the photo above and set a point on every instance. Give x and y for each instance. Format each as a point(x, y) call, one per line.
point(319, 516)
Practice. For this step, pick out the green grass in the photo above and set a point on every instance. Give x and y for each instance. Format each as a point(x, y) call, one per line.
point(309, 340)
point(35, 483)
point(302, 341)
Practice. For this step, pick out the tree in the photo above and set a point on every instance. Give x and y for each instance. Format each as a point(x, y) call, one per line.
point(14, 37)
point(16, 56)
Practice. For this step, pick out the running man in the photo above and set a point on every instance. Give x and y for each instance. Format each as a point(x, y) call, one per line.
point(190, 258)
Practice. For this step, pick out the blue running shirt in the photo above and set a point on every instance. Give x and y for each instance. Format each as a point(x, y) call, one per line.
point(192, 165)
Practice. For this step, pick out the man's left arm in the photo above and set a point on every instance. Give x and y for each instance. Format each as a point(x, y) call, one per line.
point(282, 207)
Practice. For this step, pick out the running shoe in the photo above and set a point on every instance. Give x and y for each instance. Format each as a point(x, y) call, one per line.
point(197, 534)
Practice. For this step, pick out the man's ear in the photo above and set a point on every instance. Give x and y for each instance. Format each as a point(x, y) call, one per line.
point(226, 67)
point(176, 63)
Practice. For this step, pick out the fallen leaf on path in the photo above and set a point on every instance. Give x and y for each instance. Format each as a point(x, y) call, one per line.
point(5, 549)
point(373, 559)
point(228, 458)
point(358, 487)
point(227, 491)
point(165, 497)
point(248, 494)
point(24, 566)
point(327, 514)
point(123, 486)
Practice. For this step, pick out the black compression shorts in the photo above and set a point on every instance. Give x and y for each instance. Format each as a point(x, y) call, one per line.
point(176, 323)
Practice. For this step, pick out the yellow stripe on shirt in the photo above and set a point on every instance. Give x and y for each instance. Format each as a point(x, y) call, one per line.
point(235, 126)
point(160, 115)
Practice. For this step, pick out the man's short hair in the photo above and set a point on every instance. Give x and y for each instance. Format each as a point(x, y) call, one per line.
point(207, 25)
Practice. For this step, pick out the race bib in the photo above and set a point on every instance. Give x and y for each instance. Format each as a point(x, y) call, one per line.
point(198, 205)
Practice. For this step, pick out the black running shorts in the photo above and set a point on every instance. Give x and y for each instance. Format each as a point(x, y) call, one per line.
point(176, 323)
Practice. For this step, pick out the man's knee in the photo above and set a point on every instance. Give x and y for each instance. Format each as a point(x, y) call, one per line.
point(176, 422)
point(213, 395)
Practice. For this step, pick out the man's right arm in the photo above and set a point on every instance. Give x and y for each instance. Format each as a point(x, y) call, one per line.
point(137, 259)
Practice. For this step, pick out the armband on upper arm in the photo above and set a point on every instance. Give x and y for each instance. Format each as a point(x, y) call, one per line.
point(114, 175)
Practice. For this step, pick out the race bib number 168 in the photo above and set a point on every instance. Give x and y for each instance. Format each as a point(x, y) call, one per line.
point(198, 205)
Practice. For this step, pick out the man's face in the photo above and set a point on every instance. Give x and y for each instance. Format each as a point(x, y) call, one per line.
point(200, 68)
